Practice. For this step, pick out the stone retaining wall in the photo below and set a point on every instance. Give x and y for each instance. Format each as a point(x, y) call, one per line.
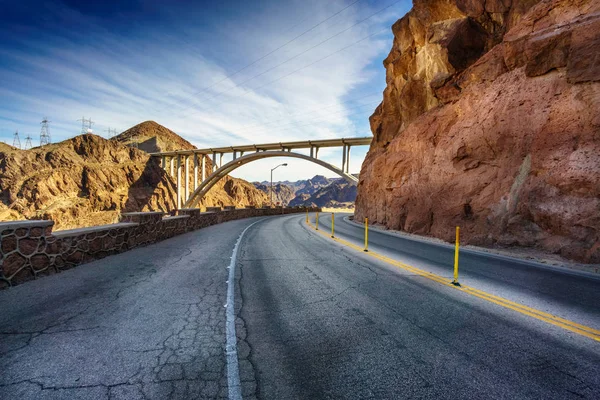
point(29, 249)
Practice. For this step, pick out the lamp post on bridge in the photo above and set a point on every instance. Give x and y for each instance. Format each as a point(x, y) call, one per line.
point(273, 169)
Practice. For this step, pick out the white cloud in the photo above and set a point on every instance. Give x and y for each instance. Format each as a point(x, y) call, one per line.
point(121, 81)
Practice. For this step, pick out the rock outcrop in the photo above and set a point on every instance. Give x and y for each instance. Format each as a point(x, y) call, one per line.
point(87, 180)
point(282, 193)
point(338, 194)
point(318, 191)
point(83, 181)
point(153, 138)
point(490, 121)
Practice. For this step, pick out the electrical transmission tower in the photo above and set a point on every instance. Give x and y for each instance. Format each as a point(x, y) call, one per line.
point(86, 125)
point(45, 133)
point(111, 132)
point(28, 144)
point(16, 140)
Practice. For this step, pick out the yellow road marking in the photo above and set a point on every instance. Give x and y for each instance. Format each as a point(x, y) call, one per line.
point(523, 309)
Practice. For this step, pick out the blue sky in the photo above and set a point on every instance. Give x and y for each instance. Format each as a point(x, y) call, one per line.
point(217, 73)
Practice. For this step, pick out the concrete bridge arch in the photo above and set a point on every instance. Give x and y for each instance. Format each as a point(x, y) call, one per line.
point(226, 169)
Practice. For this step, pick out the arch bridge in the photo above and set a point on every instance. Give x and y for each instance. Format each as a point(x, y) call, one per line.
point(177, 163)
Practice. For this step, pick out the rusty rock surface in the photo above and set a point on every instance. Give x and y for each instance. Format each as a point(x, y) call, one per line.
point(490, 121)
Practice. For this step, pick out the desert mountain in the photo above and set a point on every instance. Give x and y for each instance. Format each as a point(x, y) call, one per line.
point(153, 138)
point(489, 121)
point(317, 191)
point(282, 193)
point(337, 194)
point(88, 180)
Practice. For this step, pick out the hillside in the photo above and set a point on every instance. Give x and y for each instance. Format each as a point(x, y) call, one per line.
point(282, 193)
point(317, 191)
point(88, 180)
point(83, 181)
point(489, 121)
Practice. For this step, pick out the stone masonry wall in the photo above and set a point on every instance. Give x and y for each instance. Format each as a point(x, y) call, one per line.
point(29, 249)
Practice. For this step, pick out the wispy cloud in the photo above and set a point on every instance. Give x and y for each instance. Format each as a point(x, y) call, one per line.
point(177, 66)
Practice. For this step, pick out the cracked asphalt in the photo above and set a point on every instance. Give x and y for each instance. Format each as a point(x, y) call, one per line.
point(316, 320)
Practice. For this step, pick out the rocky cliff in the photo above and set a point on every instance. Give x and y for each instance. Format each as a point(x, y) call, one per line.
point(83, 181)
point(88, 180)
point(318, 191)
point(490, 121)
point(282, 193)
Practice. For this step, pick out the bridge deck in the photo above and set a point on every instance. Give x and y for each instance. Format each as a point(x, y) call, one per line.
point(305, 144)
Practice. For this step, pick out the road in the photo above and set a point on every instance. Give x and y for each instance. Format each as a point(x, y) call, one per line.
point(315, 319)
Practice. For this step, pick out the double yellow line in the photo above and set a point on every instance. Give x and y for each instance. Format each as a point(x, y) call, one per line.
point(531, 312)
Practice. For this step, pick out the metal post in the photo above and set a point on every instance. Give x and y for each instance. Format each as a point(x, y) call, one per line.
point(271, 188)
point(366, 234)
point(307, 215)
point(332, 223)
point(195, 171)
point(187, 178)
point(317, 224)
point(178, 182)
point(455, 281)
point(203, 167)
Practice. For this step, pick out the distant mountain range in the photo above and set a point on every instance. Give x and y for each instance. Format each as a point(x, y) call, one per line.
point(318, 191)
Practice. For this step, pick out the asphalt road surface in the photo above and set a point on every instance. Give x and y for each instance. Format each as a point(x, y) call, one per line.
point(315, 319)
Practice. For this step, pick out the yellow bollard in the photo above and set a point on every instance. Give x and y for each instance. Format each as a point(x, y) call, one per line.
point(366, 234)
point(455, 281)
point(307, 215)
point(317, 225)
point(332, 222)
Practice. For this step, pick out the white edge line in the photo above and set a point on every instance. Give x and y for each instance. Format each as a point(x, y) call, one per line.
point(233, 370)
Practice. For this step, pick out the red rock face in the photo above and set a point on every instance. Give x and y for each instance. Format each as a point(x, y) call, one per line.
point(505, 144)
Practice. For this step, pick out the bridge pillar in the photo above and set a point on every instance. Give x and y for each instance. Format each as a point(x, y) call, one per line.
point(195, 172)
point(187, 178)
point(178, 182)
point(220, 160)
point(344, 159)
point(203, 167)
point(214, 163)
point(347, 158)
point(163, 162)
point(316, 152)
point(172, 167)
point(234, 154)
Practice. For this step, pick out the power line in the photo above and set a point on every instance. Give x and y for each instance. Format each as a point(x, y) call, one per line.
point(278, 127)
point(287, 127)
point(305, 112)
point(304, 67)
point(303, 52)
point(269, 53)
